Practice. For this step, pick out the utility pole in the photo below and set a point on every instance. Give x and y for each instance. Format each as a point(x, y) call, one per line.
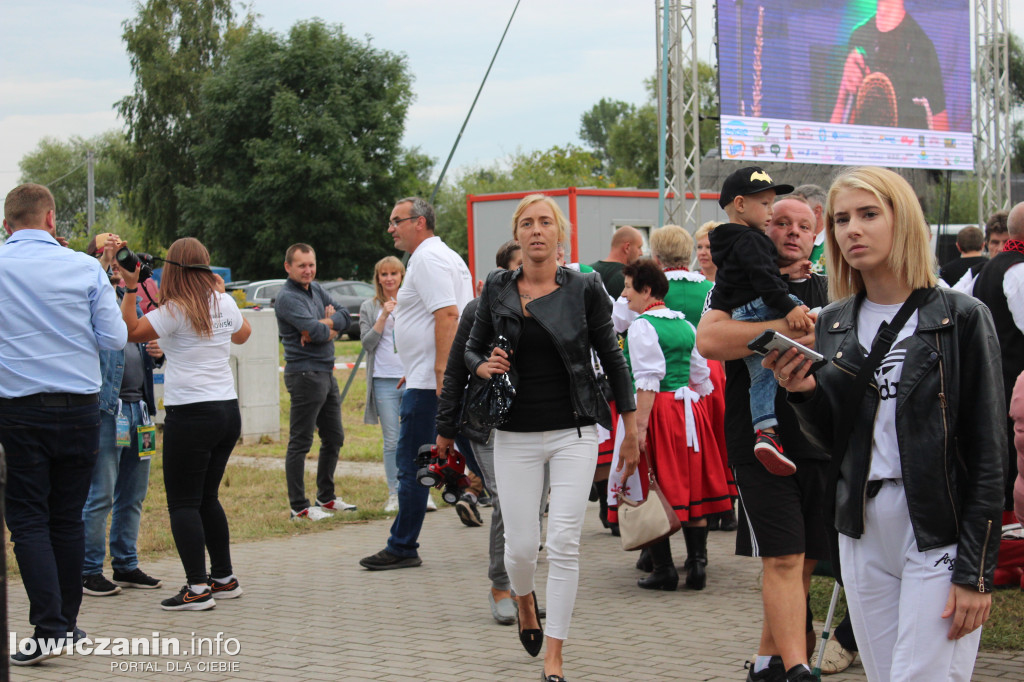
point(90, 157)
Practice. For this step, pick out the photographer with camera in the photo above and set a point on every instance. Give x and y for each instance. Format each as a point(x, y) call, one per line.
point(196, 324)
point(120, 479)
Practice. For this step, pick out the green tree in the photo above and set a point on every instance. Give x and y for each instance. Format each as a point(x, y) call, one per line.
point(554, 168)
point(298, 139)
point(173, 45)
point(624, 137)
point(597, 123)
point(62, 166)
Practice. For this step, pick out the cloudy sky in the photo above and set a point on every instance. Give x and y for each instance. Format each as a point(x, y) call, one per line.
point(63, 65)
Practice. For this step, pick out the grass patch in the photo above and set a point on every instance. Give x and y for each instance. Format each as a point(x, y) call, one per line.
point(1003, 631)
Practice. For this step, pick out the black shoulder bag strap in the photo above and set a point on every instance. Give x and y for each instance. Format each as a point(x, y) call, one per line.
point(884, 339)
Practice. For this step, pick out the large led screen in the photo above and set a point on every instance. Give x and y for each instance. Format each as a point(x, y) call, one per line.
point(882, 82)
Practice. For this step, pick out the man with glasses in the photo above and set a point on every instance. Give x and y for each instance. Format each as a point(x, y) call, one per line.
point(437, 286)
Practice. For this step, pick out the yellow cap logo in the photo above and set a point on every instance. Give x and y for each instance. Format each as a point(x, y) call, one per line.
point(760, 175)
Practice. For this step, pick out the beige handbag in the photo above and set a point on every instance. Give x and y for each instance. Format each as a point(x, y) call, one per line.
point(648, 522)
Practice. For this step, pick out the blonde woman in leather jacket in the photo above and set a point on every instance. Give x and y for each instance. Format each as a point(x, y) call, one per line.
point(919, 494)
point(552, 316)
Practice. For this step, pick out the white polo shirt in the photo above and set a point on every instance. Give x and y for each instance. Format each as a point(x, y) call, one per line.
point(436, 277)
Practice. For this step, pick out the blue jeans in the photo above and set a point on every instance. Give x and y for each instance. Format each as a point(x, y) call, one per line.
point(388, 400)
point(762, 380)
point(418, 414)
point(119, 482)
point(50, 455)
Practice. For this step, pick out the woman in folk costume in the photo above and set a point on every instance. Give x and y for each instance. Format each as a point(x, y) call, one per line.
point(672, 249)
point(673, 423)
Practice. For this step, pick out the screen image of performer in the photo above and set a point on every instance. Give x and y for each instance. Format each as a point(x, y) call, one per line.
point(892, 74)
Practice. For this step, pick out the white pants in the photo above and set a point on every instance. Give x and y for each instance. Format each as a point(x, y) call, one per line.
point(896, 596)
point(519, 460)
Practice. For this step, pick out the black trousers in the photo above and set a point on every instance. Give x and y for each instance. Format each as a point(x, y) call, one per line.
point(50, 456)
point(198, 439)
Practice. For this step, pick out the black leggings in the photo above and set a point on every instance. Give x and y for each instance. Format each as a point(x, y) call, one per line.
point(198, 439)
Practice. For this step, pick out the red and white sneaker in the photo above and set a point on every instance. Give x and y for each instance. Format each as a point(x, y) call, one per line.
point(337, 504)
point(768, 451)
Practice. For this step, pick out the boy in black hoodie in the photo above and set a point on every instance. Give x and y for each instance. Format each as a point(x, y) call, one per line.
point(748, 284)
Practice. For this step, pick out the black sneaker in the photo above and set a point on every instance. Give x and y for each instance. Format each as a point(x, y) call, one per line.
point(37, 656)
point(775, 672)
point(467, 511)
point(485, 500)
point(386, 561)
point(228, 590)
point(137, 579)
point(187, 600)
point(97, 586)
point(800, 673)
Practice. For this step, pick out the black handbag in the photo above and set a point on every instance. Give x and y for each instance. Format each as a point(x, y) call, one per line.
point(490, 402)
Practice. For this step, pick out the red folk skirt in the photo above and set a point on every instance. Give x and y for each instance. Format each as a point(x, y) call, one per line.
point(693, 480)
point(716, 408)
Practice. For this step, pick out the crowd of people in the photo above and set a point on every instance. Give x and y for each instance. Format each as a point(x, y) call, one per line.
point(632, 370)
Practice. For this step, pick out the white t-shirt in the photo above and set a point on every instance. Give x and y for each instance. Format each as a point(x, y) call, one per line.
point(386, 363)
point(436, 277)
point(885, 451)
point(197, 367)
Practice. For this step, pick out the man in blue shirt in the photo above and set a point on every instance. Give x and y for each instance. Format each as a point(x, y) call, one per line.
point(57, 311)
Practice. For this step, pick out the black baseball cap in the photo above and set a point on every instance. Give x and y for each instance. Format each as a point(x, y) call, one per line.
point(749, 180)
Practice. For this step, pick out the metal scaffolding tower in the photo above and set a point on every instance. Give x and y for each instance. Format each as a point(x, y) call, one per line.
point(679, 110)
point(992, 139)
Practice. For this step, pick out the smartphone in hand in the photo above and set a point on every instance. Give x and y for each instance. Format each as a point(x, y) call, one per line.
point(772, 340)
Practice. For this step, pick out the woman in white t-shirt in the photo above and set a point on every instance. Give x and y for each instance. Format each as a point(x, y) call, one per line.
point(918, 485)
point(384, 370)
point(196, 323)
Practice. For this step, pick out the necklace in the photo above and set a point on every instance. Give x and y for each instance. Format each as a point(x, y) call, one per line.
point(653, 305)
point(684, 269)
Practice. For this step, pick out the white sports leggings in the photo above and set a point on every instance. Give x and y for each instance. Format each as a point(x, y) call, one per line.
point(519, 460)
point(896, 595)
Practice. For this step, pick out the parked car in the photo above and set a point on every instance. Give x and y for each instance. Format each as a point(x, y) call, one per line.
point(261, 293)
point(350, 294)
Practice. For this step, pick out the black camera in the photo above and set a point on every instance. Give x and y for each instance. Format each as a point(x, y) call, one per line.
point(128, 260)
point(447, 471)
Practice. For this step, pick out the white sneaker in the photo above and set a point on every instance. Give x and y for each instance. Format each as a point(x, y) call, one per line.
point(430, 504)
point(311, 513)
point(337, 504)
point(392, 504)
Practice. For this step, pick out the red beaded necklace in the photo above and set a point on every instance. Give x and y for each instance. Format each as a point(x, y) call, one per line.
point(685, 269)
point(653, 305)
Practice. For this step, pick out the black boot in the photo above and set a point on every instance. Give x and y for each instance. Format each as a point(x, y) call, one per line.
point(644, 561)
point(714, 521)
point(664, 575)
point(602, 499)
point(696, 556)
point(729, 522)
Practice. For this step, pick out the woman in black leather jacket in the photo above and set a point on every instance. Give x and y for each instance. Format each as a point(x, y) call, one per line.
point(552, 317)
point(919, 494)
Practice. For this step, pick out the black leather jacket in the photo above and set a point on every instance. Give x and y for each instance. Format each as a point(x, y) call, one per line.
point(453, 417)
point(950, 426)
point(577, 315)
